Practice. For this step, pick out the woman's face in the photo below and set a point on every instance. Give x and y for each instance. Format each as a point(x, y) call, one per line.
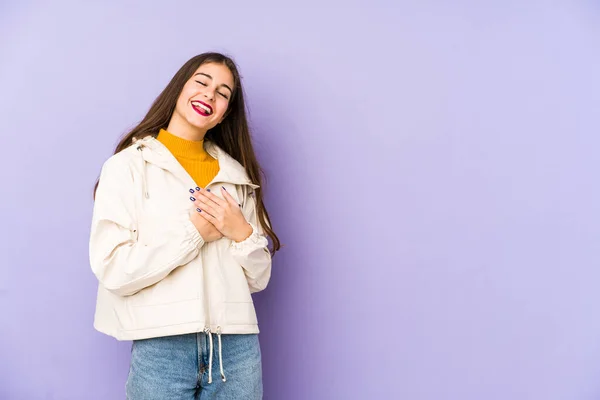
point(205, 96)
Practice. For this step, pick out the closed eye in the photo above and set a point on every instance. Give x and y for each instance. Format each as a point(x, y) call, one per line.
point(222, 94)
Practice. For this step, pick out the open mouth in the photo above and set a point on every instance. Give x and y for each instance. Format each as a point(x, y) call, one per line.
point(202, 108)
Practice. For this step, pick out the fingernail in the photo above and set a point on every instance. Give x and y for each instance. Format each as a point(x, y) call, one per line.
point(208, 190)
point(197, 189)
point(199, 210)
point(192, 199)
point(223, 187)
point(191, 190)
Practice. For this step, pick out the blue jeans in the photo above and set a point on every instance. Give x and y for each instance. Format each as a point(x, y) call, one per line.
point(178, 367)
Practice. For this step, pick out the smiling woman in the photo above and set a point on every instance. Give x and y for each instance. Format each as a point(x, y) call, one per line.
point(207, 94)
point(179, 241)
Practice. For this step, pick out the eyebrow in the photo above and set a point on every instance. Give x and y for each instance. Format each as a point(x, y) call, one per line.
point(210, 77)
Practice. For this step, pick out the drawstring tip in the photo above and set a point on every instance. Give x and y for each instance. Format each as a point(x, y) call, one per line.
point(147, 195)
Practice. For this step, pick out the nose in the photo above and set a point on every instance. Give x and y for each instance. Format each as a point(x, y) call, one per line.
point(209, 94)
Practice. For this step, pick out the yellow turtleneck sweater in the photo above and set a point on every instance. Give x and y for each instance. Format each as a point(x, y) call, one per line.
point(201, 166)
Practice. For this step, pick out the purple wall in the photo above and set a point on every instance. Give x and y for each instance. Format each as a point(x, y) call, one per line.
point(433, 171)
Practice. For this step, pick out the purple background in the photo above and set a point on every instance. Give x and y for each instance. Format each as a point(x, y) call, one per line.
point(433, 172)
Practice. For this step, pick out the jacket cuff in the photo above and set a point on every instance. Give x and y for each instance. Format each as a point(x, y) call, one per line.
point(192, 233)
point(252, 241)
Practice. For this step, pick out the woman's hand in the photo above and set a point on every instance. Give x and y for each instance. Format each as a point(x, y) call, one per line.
point(224, 214)
point(207, 230)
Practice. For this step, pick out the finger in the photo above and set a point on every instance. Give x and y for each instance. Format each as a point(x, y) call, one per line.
point(209, 219)
point(211, 197)
point(207, 216)
point(204, 203)
point(204, 206)
point(199, 203)
point(206, 200)
point(229, 197)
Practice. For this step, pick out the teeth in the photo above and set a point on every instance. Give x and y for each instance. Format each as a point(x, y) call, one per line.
point(202, 106)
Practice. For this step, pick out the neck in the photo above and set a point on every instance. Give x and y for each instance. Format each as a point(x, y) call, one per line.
point(183, 148)
point(184, 130)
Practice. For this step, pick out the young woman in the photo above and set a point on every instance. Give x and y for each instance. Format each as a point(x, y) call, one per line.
point(179, 241)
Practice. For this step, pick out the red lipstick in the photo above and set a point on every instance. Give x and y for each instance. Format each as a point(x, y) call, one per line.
point(204, 111)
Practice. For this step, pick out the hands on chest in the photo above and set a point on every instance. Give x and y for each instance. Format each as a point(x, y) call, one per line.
point(217, 217)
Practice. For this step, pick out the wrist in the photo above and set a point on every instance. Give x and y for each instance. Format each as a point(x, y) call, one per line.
point(245, 234)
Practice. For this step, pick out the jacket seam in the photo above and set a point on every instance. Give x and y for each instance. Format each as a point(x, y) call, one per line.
point(188, 249)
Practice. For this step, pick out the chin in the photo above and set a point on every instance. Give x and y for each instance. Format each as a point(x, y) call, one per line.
point(200, 126)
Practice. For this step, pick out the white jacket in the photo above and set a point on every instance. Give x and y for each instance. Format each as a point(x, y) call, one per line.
point(157, 276)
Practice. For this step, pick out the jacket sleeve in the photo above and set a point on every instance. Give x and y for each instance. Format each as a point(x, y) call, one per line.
point(253, 252)
point(123, 264)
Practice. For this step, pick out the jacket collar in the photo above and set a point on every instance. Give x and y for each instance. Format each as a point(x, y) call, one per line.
point(230, 170)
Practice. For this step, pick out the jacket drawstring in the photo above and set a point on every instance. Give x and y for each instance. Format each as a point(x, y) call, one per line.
point(210, 357)
point(221, 355)
point(144, 183)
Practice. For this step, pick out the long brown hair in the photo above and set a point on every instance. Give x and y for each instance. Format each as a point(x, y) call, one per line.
point(232, 134)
